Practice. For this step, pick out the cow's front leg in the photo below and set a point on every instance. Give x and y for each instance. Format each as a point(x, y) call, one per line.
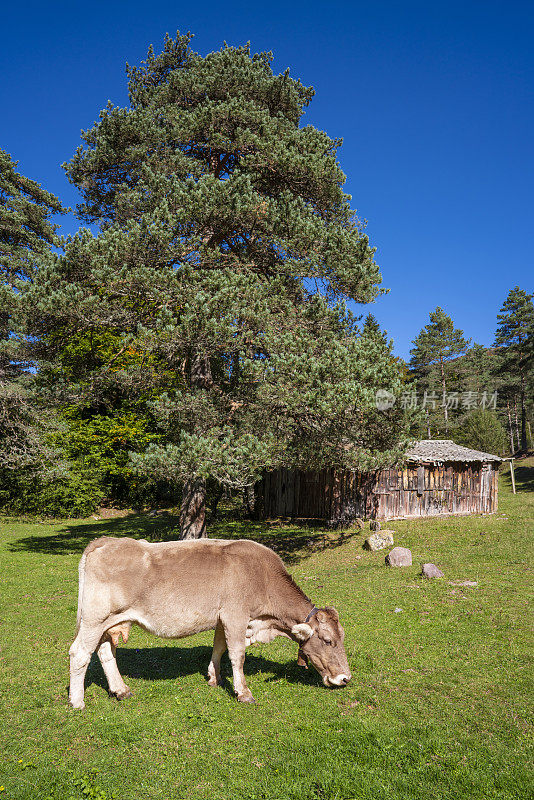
point(235, 640)
point(219, 647)
point(106, 654)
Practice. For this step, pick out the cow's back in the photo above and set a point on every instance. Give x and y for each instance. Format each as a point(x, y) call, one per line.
point(177, 588)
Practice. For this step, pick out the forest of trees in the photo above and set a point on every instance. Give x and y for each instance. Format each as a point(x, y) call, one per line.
point(199, 332)
point(479, 396)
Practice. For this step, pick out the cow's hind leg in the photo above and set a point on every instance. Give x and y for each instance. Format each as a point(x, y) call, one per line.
point(219, 647)
point(106, 654)
point(80, 654)
point(235, 633)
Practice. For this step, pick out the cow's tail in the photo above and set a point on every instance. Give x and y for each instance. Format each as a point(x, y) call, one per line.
point(81, 581)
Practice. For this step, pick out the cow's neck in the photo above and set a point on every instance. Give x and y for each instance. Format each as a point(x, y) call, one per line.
point(293, 610)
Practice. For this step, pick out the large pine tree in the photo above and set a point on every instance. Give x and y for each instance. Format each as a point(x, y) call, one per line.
point(226, 252)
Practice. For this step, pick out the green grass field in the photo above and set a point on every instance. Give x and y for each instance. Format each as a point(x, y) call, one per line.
point(439, 705)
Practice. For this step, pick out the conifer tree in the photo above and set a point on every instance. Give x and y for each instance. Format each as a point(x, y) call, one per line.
point(437, 344)
point(381, 421)
point(226, 253)
point(515, 339)
point(482, 430)
point(476, 369)
point(26, 237)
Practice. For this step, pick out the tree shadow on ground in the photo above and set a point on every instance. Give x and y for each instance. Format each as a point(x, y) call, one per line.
point(524, 478)
point(172, 663)
point(292, 541)
point(74, 536)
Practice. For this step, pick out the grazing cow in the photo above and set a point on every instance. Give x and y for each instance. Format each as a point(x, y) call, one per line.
point(240, 589)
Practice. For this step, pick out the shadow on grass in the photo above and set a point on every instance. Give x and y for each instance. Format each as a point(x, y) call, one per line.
point(74, 536)
point(172, 663)
point(524, 478)
point(292, 542)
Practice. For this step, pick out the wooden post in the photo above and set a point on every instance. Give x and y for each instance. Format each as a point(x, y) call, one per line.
point(512, 474)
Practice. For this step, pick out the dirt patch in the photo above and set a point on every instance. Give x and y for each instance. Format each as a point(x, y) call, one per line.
point(114, 513)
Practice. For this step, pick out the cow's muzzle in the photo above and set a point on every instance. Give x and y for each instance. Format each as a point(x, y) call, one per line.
point(338, 681)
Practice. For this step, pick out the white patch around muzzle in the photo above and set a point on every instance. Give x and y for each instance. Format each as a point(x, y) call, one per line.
point(339, 680)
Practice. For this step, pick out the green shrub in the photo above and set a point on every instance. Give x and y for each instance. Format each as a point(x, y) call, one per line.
point(482, 430)
point(91, 467)
point(72, 493)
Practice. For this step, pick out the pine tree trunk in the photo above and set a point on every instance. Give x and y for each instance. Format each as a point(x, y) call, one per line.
point(217, 499)
point(249, 498)
point(193, 509)
point(445, 410)
point(523, 416)
point(510, 428)
point(516, 424)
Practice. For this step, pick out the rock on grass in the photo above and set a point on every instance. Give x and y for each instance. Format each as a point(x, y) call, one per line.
point(399, 557)
point(431, 571)
point(379, 540)
point(470, 584)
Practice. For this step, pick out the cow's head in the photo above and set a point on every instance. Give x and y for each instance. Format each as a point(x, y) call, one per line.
point(321, 642)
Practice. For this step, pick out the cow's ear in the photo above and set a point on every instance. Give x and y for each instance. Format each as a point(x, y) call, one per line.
point(302, 632)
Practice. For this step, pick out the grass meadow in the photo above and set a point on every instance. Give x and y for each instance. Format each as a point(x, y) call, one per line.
point(439, 705)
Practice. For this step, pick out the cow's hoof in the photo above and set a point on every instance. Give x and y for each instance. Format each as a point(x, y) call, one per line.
point(79, 705)
point(124, 695)
point(215, 682)
point(245, 698)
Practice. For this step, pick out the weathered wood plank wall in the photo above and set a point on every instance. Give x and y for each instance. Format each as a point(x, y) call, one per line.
point(410, 491)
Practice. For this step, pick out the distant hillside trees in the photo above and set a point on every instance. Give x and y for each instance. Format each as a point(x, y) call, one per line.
point(515, 339)
point(482, 389)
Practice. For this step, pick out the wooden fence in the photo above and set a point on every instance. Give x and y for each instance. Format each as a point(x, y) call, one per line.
point(410, 491)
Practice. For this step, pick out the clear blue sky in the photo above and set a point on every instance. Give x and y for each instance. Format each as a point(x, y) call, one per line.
point(434, 101)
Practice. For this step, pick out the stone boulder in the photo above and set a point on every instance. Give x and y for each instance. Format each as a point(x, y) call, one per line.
point(431, 571)
point(399, 557)
point(379, 540)
point(374, 525)
point(359, 523)
point(471, 584)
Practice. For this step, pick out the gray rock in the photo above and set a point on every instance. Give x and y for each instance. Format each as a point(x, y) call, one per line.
point(374, 525)
point(399, 557)
point(359, 523)
point(431, 571)
point(471, 584)
point(378, 541)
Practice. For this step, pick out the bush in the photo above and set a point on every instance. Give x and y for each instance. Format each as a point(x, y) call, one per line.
point(73, 493)
point(482, 430)
point(87, 464)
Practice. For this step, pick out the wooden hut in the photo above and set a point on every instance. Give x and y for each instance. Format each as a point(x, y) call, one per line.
point(437, 477)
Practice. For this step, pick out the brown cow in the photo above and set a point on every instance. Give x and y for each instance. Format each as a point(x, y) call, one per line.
point(241, 589)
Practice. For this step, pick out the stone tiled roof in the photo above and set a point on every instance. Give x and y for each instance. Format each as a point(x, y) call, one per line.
point(445, 450)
